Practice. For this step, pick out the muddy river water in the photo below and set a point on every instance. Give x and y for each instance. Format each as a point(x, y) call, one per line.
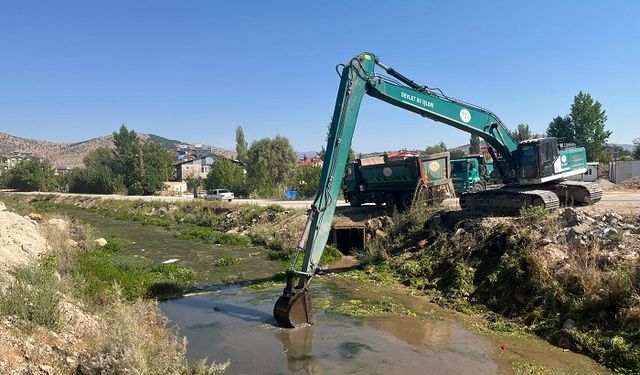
point(233, 323)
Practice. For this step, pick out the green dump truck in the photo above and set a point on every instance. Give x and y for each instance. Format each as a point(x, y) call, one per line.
point(397, 182)
point(470, 174)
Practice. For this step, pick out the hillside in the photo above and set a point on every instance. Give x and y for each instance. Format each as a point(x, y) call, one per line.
point(71, 154)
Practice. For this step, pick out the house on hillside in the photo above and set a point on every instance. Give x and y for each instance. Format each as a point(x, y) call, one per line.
point(9, 161)
point(311, 162)
point(198, 167)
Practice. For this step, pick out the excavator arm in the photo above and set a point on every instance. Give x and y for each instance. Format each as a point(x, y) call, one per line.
point(358, 78)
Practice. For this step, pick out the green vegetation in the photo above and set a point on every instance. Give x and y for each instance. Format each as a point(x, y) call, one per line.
point(135, 167)
point(241, 145)
point(212, 236)
point(474, 144)
point(33, 296)
point(226, 174)
point(32, 175)
point(306, 179)
point(99, 174)
point(584, 126)
point(533, 214)
point(522, 133)
point(329, 255)
point(498, 270)
point(99, 271)
point(225, 261)
point(269, 161)
point(365, 307)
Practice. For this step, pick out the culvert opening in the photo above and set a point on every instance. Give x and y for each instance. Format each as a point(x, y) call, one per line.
point(348, 238)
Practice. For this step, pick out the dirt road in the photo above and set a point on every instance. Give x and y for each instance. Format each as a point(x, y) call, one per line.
point(617, 200)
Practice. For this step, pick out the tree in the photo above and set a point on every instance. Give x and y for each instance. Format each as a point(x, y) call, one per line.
point(306, 179)
point(241, 145)
point(193, 183)
point(636, 149)
point(456, 154)
point(474, 144)
point(438, 147)
point(100, 174)
point(561, 128)
point(588, 120)
point(225, 174)
point(522, 133)
point(144, 166)
point(268, 162)
point(31, 175)
point(155, 168)
point(129, 158)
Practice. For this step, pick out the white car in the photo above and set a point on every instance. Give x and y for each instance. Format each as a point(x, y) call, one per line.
point(220, 195)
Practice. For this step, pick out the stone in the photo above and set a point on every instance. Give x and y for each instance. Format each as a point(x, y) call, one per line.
point(71, 243)
point(2, 207)
point(380, 233)
point(36, 217)
point(569, 324)
point(100, 241)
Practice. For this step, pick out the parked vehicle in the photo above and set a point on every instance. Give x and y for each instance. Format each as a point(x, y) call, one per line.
point(220, 195)
point(395, 182)
point(470, 174)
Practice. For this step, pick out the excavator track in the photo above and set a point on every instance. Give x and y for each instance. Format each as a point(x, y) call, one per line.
point(575, 192)
point(508, 201)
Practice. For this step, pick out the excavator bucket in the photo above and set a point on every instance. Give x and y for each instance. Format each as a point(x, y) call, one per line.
point(293, 309)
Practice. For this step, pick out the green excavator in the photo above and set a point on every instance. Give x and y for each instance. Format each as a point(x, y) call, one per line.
point(533, 172)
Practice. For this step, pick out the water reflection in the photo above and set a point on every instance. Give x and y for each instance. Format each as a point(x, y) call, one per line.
point(297, 344)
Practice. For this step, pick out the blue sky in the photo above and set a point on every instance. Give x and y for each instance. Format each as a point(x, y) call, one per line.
point(194, 70)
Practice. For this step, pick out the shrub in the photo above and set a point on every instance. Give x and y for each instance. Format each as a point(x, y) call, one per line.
point(134, 339)
point(212, 236)
point(33, 296)
point(225, 261)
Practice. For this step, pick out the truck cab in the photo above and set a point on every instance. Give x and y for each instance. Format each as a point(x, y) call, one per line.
point(470, 174)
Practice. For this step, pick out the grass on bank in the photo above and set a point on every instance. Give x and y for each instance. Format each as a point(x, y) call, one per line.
point(33, 296)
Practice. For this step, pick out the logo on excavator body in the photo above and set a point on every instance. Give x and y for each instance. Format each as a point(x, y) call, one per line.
point(465, 115)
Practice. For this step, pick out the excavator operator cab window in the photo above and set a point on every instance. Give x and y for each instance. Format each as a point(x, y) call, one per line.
point(529, 160)
point(548, 154)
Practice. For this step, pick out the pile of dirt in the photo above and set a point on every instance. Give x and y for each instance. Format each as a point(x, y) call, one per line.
point(632, 183)
point(20, 240)
point(609, 239)
point(607, 185)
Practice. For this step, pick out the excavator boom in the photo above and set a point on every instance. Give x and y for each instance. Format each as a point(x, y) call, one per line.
point(515, 161)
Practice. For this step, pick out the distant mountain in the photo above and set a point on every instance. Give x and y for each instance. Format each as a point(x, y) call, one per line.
point(71, 154)
point(307, 154)
point(170, 144)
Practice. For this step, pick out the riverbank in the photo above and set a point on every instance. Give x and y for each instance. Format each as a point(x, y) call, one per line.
point(570, 277)
point(61, 313)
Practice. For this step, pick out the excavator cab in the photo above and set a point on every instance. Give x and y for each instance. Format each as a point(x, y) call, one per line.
point(537, 157)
